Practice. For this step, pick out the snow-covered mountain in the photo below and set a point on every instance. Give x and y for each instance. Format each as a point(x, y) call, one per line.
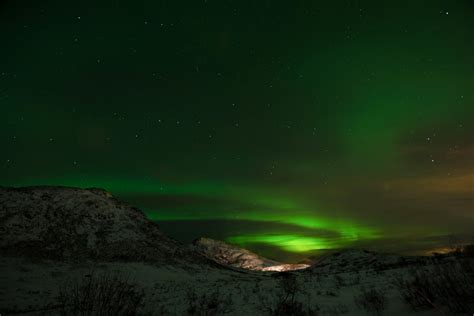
point(75, 224)
point(237, 257)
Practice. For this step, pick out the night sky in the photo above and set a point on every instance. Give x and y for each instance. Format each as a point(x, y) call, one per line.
point(286, 127)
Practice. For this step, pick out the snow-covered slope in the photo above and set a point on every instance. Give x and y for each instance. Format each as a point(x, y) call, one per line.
point(237, 257)
point(351, 260)
point(70, 223)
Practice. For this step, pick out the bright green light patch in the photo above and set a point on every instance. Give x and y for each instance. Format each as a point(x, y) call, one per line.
point(347, 232)
point(347, 229)
point(291, 243)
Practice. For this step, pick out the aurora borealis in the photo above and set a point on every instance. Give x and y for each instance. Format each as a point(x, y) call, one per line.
point(284, 127)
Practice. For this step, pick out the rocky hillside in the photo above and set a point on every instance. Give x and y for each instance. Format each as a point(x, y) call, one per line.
point(74, 224)
point(237, 257)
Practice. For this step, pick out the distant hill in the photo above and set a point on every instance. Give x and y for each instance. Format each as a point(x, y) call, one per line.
point(237, 257)
point(351, 260)
point(75, 224)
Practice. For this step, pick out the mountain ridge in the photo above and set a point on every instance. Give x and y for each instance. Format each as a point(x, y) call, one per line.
point(65, 223)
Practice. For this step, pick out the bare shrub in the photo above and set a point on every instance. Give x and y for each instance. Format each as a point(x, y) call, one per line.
point(287, 303)
point(355, 280)
point(373, 301)
point(339, 281)
point(100, 294)
point(448, 286)
point(208, 304)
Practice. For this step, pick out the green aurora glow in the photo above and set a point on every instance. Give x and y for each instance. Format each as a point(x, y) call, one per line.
point(283, 127)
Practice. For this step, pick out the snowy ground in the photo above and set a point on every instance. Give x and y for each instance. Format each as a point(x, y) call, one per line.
point(171, 290)
point(44, 230)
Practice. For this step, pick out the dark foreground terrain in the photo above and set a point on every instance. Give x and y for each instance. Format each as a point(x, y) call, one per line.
point(67, 251)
